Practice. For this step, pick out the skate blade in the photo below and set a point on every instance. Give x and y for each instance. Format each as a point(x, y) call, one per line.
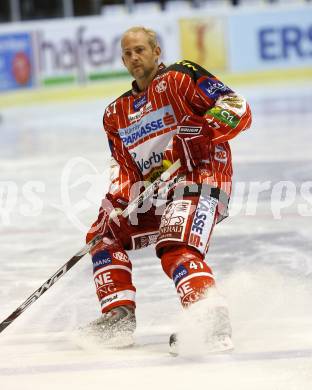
point(221, 346)
point(124, 340)
point(95, 340)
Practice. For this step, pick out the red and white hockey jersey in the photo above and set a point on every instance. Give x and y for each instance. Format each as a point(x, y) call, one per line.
point(140, 126)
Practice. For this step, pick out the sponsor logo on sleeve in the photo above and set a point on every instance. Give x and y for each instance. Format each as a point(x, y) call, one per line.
point(213, 88)
point(225, 116)
point(234, 103)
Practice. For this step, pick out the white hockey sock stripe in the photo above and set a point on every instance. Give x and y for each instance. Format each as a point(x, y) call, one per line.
point(194, 276)
point(128, 295)
point(110, 267)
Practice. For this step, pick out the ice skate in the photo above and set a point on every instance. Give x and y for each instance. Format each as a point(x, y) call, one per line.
point(114, 328)
point(207, 330)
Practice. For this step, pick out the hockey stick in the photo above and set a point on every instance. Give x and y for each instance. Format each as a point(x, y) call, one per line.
point(134, 205)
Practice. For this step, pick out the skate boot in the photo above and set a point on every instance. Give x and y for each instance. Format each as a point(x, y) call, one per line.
point(221, 340)
point(206, 329)
point(114, 328)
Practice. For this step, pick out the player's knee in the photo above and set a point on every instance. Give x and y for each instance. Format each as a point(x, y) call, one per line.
point(173, 256)
point(109, 252)
point(189, 219)
point(168, 259)
point(107, 242)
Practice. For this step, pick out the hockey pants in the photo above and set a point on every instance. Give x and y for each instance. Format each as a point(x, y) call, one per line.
point(182, 235)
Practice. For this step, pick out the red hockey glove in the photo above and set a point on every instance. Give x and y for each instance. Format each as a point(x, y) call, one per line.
point(109, 219)
point(191, 144)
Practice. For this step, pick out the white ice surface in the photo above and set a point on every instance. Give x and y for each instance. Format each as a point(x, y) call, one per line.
point(262, 263)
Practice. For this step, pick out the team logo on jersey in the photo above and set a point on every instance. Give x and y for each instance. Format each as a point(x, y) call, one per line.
point(173, 221)
point(138, 103)
point(213, 88)
point(220, 154)
point(161, 86)
point(121, 257)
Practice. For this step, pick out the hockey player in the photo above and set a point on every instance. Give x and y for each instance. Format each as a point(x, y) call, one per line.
point(176, 112)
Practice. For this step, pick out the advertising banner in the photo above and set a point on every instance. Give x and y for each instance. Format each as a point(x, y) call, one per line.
point(16, 61)
point(80, 50)
point(86, 50)
point(203, 41)
point(271, 40)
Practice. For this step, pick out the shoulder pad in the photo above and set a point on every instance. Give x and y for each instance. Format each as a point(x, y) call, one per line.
point(128, 93)
point(111, 107)
point(194, 70)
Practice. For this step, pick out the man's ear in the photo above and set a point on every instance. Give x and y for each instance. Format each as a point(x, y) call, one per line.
point(158, 52)
point(123, 61)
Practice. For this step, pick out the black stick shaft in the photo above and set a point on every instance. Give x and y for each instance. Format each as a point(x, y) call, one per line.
point(136, 203)
point(47, 284)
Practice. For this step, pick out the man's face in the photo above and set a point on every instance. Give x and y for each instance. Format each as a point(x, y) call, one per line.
point(138, 56)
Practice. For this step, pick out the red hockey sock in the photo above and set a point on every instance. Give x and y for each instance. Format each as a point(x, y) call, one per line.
point(112, 272)
point(190, 274)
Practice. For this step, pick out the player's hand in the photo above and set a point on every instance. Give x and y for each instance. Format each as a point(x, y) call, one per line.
point(191, 144)
point(100, 226)
point(109, 220)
